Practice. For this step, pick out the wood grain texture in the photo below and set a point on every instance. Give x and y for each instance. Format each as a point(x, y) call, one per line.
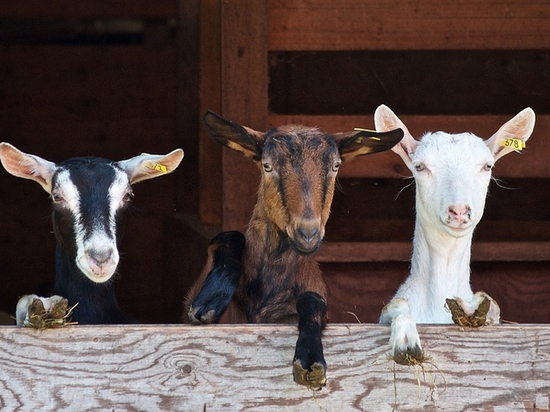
point(238, 367)
point(387, 24)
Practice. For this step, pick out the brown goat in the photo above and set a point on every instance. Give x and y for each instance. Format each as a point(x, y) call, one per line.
point(276, 280)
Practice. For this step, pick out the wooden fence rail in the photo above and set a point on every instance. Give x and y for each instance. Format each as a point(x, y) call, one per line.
point(248, 367)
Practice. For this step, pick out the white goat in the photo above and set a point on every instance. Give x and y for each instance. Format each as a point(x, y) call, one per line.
point(452, 174)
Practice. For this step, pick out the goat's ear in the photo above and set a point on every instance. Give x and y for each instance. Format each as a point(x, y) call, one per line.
point(520, 127)
point(364, 142)
point(385, 119)
point(147, 166)
point(27, 166)
point(234, 136)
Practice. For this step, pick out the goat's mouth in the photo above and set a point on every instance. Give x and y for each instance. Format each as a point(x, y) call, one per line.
point(458, 230)
point(301, 250)
point(305, 246)
point(97, 273)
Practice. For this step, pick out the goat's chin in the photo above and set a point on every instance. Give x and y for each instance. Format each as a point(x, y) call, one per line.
point(460, 231)
point(99, 275)
point(304, 250)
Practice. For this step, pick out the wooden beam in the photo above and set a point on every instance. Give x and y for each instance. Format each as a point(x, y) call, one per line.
point(243, 100)
point(393, 25)
point(210, 152)
point(531, 163)
point(186, 195)
point(401, 251)
point(248, 367)
point(84, 9)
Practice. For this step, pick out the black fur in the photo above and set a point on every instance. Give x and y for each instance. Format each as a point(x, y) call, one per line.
point(96, 301)
point(312, 310)
point(221, 282)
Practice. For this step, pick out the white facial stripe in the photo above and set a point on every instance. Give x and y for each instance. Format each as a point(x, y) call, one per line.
point(117, 191)
point(70, 194)
point(97, 254)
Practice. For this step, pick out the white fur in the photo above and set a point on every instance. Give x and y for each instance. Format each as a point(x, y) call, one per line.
point(452, 174)
point(22, 308)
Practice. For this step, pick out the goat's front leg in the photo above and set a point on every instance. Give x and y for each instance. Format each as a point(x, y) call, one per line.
point(481, 310)
point(213, 291)
point(404, 339)
point(309, 365)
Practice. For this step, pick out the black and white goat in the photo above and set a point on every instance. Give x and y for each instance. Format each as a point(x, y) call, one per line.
point(88, 196)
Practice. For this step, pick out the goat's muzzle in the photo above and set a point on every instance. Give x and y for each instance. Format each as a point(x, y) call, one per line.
point(306, 237)
point(458, 219)
point(98, 265)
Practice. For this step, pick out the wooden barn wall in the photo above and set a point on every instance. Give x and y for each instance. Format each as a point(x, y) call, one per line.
point(80, 78)
point(67, 93)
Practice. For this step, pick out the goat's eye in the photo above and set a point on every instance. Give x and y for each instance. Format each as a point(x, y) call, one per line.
point(419, 167)
point(57, 198)
point(128, 197)
point(488, 167)
point(336, 166)
point(268, 167)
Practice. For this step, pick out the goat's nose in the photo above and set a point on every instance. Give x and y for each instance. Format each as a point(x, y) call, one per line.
point(100, 257)
point(461, 213)
point(308, 233)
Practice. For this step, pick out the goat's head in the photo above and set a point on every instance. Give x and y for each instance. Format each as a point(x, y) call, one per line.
point(88, 194)
point(453, 171)
point(299, 166)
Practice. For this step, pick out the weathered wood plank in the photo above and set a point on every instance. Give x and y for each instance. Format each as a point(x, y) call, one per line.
point(387, 164)
point(248, 367)
point(385, 24)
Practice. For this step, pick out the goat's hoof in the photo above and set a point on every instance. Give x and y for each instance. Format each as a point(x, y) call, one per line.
point(36, 312)
point(476, 320)
point(315, 378)
point(197, 318)
point(59, 307)
point(409, 356)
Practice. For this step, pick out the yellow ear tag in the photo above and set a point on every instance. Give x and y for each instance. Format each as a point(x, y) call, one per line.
point(358, 129)
point(515, 144)
point(158, 167)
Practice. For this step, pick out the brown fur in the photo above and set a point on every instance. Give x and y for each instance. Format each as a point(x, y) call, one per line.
point(299, 166)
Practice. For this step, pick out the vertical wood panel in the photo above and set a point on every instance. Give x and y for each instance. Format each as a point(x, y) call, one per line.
point(210, 152)
point(244, 99)
point(187, 105)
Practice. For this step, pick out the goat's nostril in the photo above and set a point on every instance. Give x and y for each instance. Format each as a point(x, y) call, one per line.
point(100, 257)
point(308, 233)
point(461, 212)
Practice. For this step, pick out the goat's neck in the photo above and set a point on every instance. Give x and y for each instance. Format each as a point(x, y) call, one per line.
point(440, 269)
point(96, 302)
point(266, 243)
point(271, 273)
